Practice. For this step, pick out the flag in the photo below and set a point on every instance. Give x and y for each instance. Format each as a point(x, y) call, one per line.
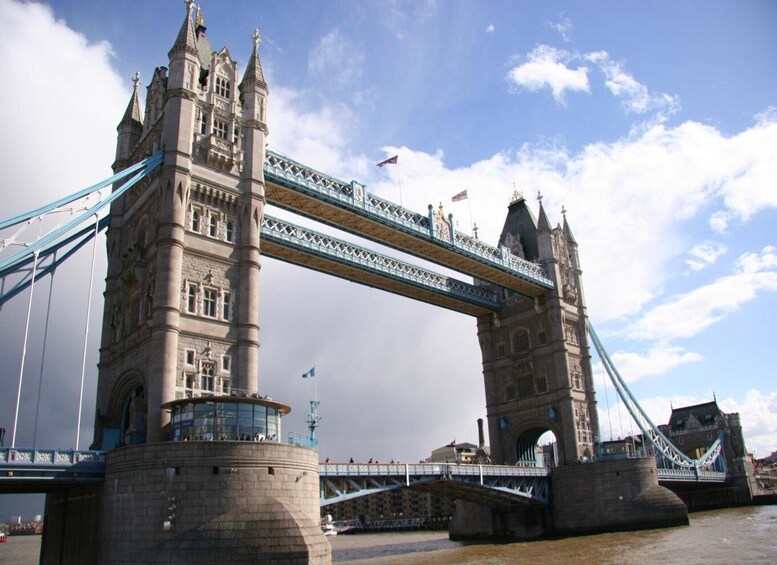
point(310, 374)
point(460, 196)
point(389, 161)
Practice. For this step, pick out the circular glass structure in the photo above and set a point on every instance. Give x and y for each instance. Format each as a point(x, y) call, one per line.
point(225, 418)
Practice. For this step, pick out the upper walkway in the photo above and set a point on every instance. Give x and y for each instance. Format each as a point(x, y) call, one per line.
point(348, 206)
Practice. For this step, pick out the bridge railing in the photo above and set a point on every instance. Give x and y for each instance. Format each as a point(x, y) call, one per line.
point(26, 457)
point(699, 475)
point(353, 196)
point(430, 469)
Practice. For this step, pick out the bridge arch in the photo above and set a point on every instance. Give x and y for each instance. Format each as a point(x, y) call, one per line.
point(128, 410)
point(526, 438)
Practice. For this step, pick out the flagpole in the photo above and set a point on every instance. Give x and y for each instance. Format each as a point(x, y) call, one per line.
point(469, 203)
point(399, 180)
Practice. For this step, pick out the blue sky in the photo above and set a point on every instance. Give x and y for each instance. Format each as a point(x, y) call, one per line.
point(654, 124)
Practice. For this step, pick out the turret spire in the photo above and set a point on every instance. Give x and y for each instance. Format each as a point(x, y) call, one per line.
point(186, 40)
point(543, 224)
point(132, 113)
point(567, 230)
point(254, 73)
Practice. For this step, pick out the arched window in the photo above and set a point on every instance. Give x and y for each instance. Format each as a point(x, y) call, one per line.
point(191, 299)
point(207, 380)
point(213, 228)
point(521, 341)
point(196, 221)
point(230, 231)
point(222, 87)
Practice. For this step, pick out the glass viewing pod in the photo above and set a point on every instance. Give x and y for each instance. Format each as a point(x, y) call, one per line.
point(225, 418)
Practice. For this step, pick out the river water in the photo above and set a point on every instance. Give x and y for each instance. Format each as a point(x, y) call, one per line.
point(739, 535)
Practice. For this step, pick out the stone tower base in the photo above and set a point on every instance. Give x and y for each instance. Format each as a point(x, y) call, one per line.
point(614, 495)
point(195, 502)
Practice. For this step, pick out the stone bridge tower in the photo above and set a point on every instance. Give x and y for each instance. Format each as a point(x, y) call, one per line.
point(182, 290)
point(536, 360)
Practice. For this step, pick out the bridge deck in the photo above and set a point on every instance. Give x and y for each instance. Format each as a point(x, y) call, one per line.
point(349, 207)
point(288, 242)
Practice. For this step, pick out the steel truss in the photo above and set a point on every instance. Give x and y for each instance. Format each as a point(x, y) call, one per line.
point(38, 256)
point(650, 431)
point(341, 482)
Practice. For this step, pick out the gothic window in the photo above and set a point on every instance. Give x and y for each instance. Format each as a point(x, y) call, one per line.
point(213, 227)
point(189, 384)
point(226, 305)
point(571, 332)
point(203, 122)
point(521, 341)
point(209, 302)
point(196, 221)
point(230, 231)
point(542, 383)
point(525, 386)
point(189, 357)
point(221, 129)
point(207, 380)
point(510, 392)
point(222, 87)
point(226, 363)
point(500, 350)
point(191, 298)
point(542, 338)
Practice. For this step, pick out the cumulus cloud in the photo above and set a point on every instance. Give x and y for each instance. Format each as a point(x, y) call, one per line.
point(335, 61)
point(490, 28)
point(563, 26)
point(657, 361)
point(547, 67)
point(636, 97)
point(686, 315)
point(705, 254)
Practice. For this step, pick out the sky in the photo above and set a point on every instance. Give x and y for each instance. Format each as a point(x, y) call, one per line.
point(653, 124)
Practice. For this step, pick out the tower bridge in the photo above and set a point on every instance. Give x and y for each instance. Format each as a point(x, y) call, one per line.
point(185, 238)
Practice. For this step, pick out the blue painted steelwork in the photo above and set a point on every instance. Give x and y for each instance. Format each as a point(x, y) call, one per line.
point(344, 481)
point(85, 235)
point(141, 170)
point(352, 197)
point(20, 468)
point(665, 450)
point(314, 243)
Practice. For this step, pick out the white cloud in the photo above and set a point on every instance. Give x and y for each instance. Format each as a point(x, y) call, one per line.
point(563, 26)
point(636, 96)
point(688, 314)
point(704, 254)
point(758, 413)
point(335, 62)
point(546, 67)
point(490, 28)
point(658, 360)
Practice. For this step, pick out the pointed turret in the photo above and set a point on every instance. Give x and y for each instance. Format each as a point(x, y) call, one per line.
point(519, 233)
point(187, 39)
point(130, 127)
point(567, 231)
point(543, 224)
point(254, 74)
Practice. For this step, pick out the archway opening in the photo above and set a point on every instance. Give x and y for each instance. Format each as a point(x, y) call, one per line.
point(133, 417)
point(537, 447)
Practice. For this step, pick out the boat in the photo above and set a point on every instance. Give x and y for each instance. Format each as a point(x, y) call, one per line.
point(3, 537)
point(327, 526)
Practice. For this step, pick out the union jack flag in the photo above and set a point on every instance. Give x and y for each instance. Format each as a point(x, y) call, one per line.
point(460, 196)
point(389, 161)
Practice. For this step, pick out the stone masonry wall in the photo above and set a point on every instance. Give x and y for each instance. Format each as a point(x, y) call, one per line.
point(611, 496)
point(208, 502)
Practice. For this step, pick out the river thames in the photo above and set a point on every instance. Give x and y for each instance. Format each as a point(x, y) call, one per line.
point(739, 535)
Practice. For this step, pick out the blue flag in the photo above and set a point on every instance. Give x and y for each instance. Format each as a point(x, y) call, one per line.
point(310, 374)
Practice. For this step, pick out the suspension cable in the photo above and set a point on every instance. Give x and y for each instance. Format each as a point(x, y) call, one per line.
point(43, 354)
point(607, 400)
point(86, 329)
point(24, 350)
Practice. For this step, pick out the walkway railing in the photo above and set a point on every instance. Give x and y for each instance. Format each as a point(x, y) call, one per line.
point(353, 197)
point(345, 253)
